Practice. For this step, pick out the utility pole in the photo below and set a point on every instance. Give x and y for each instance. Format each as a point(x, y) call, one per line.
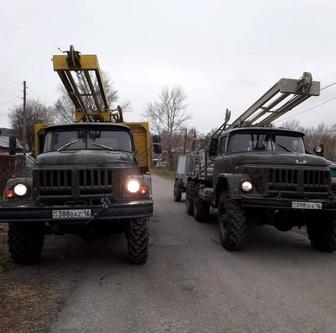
point(185, 141)
point(24, 125)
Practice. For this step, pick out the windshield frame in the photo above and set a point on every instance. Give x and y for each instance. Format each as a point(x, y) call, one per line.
point(83, 134)
point(270, 141)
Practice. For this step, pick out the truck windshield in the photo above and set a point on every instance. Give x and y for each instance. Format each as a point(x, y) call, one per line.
point(247, 142)
point(85, 138)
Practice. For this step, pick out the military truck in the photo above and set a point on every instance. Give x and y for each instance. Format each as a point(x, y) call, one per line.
point(91, 177)
point(185, 166)
point(253, 173)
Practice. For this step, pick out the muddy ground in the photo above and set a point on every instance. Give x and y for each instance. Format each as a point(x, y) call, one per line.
point(31, 296)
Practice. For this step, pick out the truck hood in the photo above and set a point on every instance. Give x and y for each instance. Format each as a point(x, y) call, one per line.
point(280, 159)
point(85, 157)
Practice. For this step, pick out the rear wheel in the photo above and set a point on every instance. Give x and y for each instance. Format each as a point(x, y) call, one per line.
point(25, 242)
point(201, 209)
point(322, 233)
point(177, 191)
point(232, 224)
point(137, 240)
point(189, 199)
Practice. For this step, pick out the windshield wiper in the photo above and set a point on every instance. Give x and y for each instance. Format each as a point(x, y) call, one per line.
point(285, 148)
point(110, 148)
point(67, 145)
point(103, 146)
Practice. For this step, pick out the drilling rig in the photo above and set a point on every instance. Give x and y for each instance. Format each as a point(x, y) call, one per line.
point(254, 173)
point(91, 177)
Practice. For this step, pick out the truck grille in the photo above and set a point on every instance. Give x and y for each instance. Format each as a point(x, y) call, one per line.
point(291, 182)
point(94, 181)
point(57, 182)
point(72, 184)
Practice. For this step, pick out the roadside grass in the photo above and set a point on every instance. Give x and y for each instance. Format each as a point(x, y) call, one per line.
point(164, 172)
point(5, 262)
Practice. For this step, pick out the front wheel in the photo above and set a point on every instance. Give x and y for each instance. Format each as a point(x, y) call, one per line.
point(137, 240)
point(322, 233)
point(25, 242)
point(232, 224)
point(189, 199)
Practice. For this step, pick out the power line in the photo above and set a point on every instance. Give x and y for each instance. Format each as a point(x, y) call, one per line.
point(10, 100)
point(328, 76)
point(311, 108)
point(24, 125)
point(9, 79)
point(329, 85)
point(323, 67)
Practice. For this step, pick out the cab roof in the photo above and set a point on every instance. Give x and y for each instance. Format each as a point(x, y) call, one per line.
point(263, 130)
point(89, 125)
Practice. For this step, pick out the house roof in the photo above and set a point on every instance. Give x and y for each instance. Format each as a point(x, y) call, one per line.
point(6, 131)
point(4, 142)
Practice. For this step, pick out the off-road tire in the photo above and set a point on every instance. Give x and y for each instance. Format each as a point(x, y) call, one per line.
point(25, 242)
point(322, 233)
point(137, 241)
point(201, 209)
point(189, 199)
point(232, 224)
point(177, 191)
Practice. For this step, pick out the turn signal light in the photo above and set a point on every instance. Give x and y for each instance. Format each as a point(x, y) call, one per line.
point(10, 194)
point(144, 189)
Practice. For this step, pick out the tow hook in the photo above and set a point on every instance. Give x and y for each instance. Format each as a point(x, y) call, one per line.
point(105, 203)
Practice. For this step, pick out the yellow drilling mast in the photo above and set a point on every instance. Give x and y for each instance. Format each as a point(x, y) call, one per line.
point(82, 79)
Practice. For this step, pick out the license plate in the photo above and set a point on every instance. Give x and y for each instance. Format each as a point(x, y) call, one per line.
point(306, 205)
point(71, 213)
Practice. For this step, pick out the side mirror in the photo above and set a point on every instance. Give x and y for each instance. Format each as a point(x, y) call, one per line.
point(156, 144)
point(213, 148)
point(319, 150)
point(12, 145)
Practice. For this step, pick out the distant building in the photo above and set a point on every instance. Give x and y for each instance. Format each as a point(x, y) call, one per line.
point(4, 145)
point(6, 131)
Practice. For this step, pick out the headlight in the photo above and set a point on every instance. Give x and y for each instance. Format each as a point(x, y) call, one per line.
point(246, 186)
point(133, 186)
point(20, 189)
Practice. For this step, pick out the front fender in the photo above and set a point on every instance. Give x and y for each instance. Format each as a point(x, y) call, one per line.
point(10, 186)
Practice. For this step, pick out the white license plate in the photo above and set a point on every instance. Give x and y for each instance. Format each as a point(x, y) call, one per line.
point(306, 205)
point(71, 213)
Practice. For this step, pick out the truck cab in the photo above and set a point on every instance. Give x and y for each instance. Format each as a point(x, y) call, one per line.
point(274, 161)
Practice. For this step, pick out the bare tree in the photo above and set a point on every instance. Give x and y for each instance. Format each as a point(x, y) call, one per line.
point(63, 109)
point(167, 115)
point(36, 113)
point(321, 134)
point(293, 125)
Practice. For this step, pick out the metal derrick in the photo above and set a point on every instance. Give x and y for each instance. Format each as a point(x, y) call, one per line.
point(85, 88)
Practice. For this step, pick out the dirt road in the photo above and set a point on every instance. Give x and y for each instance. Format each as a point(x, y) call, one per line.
point(190, 283)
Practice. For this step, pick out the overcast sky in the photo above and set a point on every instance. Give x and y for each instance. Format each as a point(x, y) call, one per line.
point(224, 54)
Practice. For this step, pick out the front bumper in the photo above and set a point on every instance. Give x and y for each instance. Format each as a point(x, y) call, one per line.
point(287, 204)
point(31, 213)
